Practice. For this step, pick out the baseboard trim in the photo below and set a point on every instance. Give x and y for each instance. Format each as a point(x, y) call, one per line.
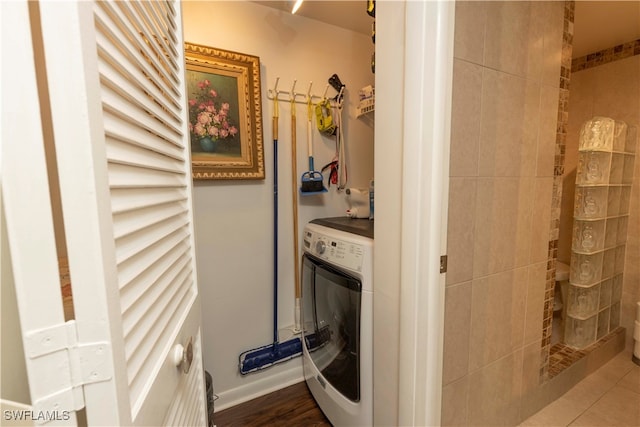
point(264, 385)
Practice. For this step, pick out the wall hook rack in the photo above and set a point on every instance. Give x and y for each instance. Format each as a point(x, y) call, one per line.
point(301, 97)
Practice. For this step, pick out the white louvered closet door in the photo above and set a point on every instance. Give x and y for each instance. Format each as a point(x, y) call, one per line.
point(115, 73)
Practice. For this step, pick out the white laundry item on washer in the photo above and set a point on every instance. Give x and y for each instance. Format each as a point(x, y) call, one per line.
point(358, 201)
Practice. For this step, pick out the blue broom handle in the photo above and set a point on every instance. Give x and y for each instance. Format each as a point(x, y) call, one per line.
point(275, 241)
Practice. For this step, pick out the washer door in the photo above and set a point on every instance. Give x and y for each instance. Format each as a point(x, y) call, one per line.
point(331, 324)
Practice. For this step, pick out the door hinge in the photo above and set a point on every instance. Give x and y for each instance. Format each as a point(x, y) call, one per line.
point(443, 264)
point(86, 362)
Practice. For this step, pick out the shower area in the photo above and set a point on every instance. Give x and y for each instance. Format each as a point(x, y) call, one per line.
point(525, 84)
point(599, 224)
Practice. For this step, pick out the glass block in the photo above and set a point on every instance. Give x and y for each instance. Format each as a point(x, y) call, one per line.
point(582, 302)
point(586, 269)
point(608, 263)
point(593, 167)
point(590, 202)
point(625, 198)
point(617, 168)
point(616, 289)
point(619, 136)
point(620, 253)
point(613, 201)
point(597, 134)
point(605, 293)
point(603, 323)
point(580, 333)
point(614, 316)
point(627, 168)
point(632, 139)
point(623, 224)
point(589, 236)
point(611, 233)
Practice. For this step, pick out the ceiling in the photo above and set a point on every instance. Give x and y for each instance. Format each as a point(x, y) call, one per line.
point(603, 24)
point(348, 14)
point(598, 24)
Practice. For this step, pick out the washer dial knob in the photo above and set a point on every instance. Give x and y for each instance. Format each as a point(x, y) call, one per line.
point(321, 246)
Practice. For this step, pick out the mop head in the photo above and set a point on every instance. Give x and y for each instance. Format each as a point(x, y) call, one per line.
point(311, 182)
point(269, 355)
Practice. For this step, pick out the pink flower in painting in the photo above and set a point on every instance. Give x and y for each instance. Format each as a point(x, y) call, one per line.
point(198, 129)
point(208, 117)
point(204, 118)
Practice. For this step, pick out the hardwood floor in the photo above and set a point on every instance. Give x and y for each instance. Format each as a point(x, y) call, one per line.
point(291, 406)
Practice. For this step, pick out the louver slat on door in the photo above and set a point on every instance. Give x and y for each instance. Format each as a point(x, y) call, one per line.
point(146, 166)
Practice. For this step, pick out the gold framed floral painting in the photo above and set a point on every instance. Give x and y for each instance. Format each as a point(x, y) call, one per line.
point(225, 113)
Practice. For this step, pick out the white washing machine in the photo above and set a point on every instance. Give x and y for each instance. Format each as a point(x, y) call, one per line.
point(337, 318)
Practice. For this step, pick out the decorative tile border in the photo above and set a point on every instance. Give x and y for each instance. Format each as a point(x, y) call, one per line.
point(547, 352)
point(605, 56)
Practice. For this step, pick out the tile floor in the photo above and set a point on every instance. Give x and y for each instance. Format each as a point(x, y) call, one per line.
point(608, 397)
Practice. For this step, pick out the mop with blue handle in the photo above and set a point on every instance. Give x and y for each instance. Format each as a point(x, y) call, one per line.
point(277, 352)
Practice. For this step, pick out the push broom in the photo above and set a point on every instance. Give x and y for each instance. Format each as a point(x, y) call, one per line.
point(277, 352)
point(311, 181)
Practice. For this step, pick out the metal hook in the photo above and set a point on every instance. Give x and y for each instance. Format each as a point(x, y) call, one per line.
point(339, 97)
point(324, 95)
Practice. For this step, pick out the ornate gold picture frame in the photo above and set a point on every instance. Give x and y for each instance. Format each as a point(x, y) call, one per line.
point(225, 113)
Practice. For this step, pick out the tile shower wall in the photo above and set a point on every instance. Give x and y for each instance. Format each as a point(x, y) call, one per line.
point(611, 89)
point(506, 92)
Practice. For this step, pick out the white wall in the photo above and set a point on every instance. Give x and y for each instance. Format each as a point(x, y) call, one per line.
point(233, 219)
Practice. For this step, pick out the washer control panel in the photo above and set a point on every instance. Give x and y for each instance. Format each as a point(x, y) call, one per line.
point(335, 251)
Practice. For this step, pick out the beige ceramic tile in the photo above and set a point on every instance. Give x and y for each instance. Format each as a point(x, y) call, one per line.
point(502, 225)
point(589, 390)
point(497, 316)
point(494, 392)
point(509, 125)
point(566, 216)
point(536, 285)
point(469, 31)
point(618, 407)
point(617, 88)
point(460, 229)
point(561, 412)
point(465, 118)
point(580, 102)
point(513, 39)
point(547, 132)
point(454, 403)
point(616, 368)
point(531, 368)
point(631, 381)
point(553, 23)
point(541, 221)
point(457, 319)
